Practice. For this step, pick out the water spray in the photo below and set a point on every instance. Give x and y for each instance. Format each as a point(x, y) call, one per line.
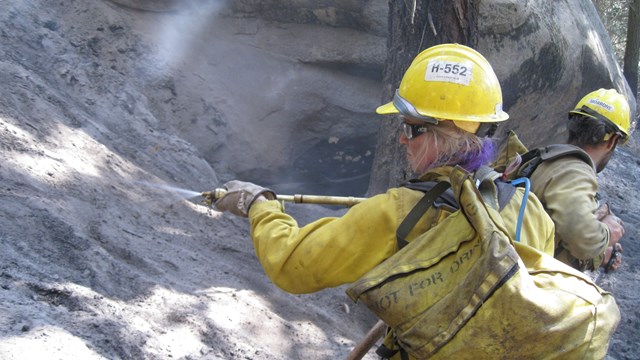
point(209, 197)
point(184, 193)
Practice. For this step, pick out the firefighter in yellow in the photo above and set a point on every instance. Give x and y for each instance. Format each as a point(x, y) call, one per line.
point(587, 234)
point(446, 101)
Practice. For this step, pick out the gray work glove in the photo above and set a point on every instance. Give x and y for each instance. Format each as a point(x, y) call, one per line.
point(240, 195)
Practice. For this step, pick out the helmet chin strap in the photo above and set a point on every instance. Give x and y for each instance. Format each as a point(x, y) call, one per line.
point(487, 129)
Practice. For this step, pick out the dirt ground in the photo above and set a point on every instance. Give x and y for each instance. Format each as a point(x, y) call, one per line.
point(105, 252)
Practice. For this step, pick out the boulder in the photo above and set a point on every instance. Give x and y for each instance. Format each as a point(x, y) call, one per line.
point(547, 55)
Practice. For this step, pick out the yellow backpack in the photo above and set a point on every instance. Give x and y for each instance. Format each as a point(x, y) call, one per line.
point(466, 290)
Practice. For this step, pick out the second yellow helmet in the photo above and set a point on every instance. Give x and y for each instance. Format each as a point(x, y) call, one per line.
point(607, 105)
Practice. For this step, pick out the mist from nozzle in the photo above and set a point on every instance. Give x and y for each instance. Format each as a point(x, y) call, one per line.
point(184, 193)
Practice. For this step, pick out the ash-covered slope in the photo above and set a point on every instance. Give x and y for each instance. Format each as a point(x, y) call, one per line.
point(98, 258)
point(104, 133)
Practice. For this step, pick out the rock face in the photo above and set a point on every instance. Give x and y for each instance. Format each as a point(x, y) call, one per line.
point(547, 55)
point(110, 118)
point(288, 104)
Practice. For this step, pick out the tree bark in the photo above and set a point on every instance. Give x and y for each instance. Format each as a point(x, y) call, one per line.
point(414, 25)
point(632, 49)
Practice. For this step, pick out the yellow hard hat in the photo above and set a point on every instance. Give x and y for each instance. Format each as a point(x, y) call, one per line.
point(449, 82)
point(609, 106)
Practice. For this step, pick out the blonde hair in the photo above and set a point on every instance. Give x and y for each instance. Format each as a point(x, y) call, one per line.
point(456, 147)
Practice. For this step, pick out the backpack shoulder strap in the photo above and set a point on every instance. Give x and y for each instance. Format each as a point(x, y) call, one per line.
point(496, 192)
point(505, 193)
point(446, 198)
point(551, 152)
point(416, 213)
point(493, 189)
point(533, 158)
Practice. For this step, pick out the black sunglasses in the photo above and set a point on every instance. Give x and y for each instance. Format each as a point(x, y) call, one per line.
point(411, 130)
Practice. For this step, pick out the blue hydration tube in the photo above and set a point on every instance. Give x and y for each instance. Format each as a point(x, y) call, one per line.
point(527, 185)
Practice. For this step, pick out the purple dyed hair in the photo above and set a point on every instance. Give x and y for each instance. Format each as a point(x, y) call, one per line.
point(472, 160)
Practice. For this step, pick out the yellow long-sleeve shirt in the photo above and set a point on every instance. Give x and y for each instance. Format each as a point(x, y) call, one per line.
point(337, 250)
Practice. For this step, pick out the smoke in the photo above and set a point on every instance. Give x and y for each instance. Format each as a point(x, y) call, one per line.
point(180, 32)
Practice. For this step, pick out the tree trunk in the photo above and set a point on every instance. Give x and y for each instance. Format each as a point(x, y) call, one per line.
point(632, 50)
point(414, 25)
